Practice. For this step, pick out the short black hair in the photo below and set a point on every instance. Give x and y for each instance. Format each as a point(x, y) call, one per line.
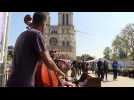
point(39, 18)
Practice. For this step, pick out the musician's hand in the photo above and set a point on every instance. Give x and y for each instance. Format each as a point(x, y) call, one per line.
point(62, 77)
point(68, 84)
point(61, 74)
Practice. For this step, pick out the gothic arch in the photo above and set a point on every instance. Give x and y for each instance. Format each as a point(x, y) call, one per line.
point(67, 43)
point(67, 19)
point(63, 43)
point(53, 41)
point(63, 20)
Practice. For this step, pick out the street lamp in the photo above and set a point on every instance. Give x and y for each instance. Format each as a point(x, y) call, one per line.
point(5, 48)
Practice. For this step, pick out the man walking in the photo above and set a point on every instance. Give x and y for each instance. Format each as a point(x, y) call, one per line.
point(100, 69)
point(105, 68)
point(115, 69)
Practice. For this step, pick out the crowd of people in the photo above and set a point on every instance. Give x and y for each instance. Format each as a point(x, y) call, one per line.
point(102, 69)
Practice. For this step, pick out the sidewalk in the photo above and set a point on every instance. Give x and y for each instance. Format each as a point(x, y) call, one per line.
point(120, 82)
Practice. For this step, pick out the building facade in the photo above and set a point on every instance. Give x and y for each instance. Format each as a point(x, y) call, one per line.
point(62, 36)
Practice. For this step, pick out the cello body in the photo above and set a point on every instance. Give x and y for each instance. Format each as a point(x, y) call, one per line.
point(45, 77)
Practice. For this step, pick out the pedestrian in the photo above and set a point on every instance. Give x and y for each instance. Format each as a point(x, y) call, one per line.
point(115, 69)
point(83, 66)
point(100, 69)
point(93, 67)
point(74, 70)
point(80, 67)
point(29, 49)
point(105, 68)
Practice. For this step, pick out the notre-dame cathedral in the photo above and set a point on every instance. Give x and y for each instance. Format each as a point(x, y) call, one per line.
point(62, 36)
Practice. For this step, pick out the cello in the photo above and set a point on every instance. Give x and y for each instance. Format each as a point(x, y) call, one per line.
point(45, 77)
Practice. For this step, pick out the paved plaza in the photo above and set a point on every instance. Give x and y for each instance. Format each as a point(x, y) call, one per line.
point(120, 82)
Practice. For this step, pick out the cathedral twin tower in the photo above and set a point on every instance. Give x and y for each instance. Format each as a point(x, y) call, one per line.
point(62, 36)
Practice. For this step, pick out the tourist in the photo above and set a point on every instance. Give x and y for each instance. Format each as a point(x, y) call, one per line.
point(73, 69)
point(115, 69)
point(100, 69)
point(105, 68)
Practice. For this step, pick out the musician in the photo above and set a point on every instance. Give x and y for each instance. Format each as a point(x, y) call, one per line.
point(63, 82)
point(29, 48)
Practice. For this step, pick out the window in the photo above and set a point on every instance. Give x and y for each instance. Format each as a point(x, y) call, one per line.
point(67, 19)
point(68, 43)
point(53, 30)
point(63, 43)
point(53, 41)
point(63, 19)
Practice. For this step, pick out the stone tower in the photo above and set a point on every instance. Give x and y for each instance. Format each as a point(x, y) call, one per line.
point(46, 29)
point(61, 36)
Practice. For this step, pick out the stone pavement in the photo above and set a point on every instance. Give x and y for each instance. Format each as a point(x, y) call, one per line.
point(120, 82)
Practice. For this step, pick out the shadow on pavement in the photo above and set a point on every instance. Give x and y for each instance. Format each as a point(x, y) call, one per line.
point(108, 81)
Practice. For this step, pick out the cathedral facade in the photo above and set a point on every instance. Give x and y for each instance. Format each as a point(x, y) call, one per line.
point(61, 37)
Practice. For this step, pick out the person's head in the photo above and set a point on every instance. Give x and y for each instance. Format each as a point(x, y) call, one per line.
point(53, 53)
point(39, 20)
point(27, 19)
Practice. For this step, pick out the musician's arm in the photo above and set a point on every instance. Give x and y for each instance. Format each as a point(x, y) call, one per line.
point(50, 63)
point(40, 49)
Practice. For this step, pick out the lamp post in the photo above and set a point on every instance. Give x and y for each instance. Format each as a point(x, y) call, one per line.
point(5, 74)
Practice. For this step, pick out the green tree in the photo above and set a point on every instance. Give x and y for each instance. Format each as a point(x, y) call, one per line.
point(107, 53)
point(128, 36)
point(86, 57)
point(78, 58)
point(114, 57)
point(120, 47)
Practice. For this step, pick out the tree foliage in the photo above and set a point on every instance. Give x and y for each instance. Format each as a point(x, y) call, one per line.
point(107, 53)
point(85, 57)
point(123, 45)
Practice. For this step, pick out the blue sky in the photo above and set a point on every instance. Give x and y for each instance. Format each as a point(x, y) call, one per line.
point(96, 29)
